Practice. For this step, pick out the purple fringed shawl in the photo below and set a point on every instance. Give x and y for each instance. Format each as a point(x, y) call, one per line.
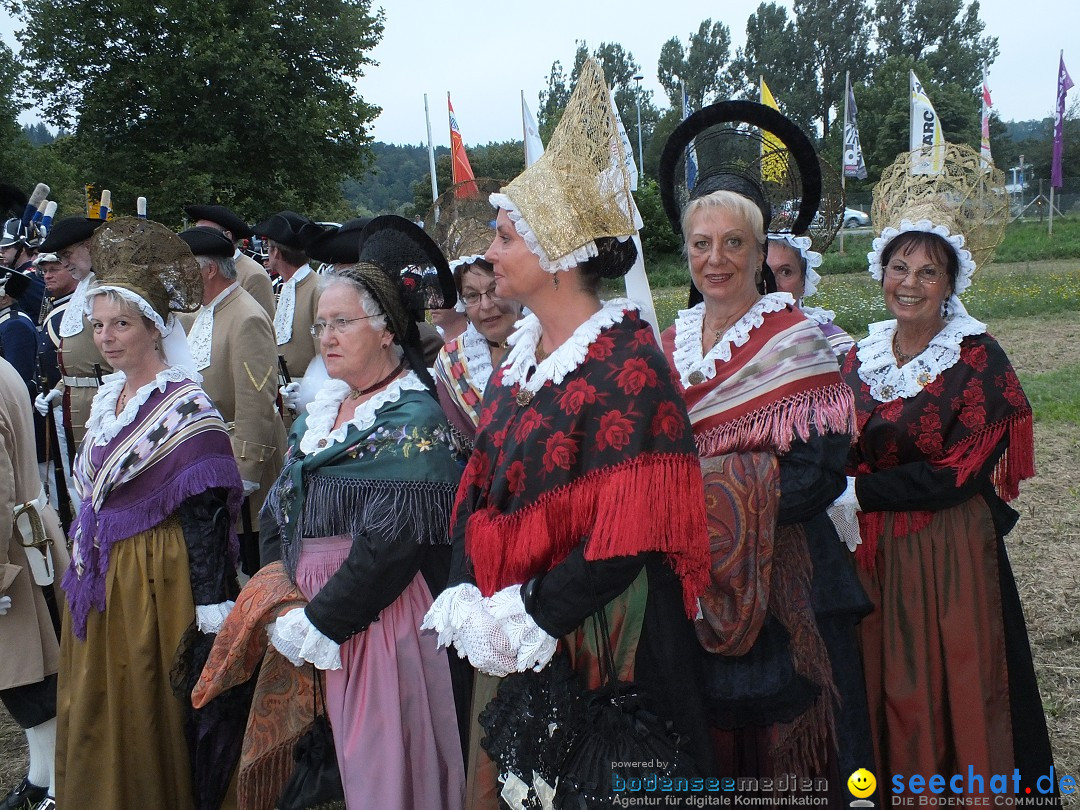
point(176, 448)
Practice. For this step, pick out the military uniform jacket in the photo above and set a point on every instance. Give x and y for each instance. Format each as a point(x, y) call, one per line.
point(78, 354)
point(300, 349)
point(254, 278)
point(242, 381)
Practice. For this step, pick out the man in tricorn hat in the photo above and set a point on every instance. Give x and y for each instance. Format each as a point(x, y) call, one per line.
point(289, 234)
point(251, 275)
point(232, 343)
point(81, 364)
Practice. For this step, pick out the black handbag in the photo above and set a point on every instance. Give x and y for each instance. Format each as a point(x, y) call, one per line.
point(316, 782)
point(580, 742)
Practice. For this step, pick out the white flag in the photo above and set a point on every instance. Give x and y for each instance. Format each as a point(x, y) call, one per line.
point(628, 151)
point(926, 137)
point(534, 147)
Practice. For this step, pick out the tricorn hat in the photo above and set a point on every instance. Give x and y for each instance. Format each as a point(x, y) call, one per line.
point(205, 241)
point(222, 216)
point(69, 231)
point(340, 245)
point(12, 282)
point(290, 229)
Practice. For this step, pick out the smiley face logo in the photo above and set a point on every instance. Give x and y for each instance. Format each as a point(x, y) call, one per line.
point(861, 783)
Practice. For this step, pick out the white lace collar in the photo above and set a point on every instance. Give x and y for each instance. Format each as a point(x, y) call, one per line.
point(322, 411)
point(201, 335)
point(73, 318)
point(104, 423)
point(522, 356)
point(887, 381)
point(476, 353)
point(817, 314)
point(688, 357)
point(286, 306)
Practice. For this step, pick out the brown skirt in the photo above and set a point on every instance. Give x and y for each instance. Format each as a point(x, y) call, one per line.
point(934, 648)
point(120, 738)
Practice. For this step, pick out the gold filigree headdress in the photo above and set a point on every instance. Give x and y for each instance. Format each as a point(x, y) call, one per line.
point(579, 190)
point(965, 204)
point(145, 258)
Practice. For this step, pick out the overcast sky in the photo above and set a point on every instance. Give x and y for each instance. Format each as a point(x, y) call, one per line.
point(486, 53)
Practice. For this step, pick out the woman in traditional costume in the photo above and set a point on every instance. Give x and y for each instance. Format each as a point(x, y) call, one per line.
point(465, 364)
point(361, 511)
point(772, 420)
point(153, 558)
point(583, 491)
point(794, 264)
point(945, 437)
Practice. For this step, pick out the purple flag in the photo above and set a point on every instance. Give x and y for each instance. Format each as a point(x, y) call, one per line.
point(1063, 85)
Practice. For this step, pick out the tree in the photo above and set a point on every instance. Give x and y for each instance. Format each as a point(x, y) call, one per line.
point(702, 66)
point(938, 33)
point(835, 36)
point(775, 51)
point(252, 105)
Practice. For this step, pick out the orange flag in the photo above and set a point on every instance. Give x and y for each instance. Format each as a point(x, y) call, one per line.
point(459, 161)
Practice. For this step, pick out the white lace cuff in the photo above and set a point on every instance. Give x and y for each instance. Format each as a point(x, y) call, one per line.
point(842, 513)
point(534, 646)
point(449, 612)
point(210, 618)
point(295, 637)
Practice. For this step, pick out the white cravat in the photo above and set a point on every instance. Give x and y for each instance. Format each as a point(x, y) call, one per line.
point(71, 323)
point(286, 306)
point(201, 335)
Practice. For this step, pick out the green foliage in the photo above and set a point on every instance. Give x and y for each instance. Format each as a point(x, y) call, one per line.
point(1054, 395)
point(657, 236)
point(255, 106)
point(503, 161)
point(702, 66)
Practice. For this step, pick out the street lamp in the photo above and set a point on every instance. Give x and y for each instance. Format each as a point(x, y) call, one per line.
point(637, 103)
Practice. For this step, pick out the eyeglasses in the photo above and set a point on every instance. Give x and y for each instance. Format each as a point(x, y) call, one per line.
point(926, 275)
point(473, 298)
point(337, 325)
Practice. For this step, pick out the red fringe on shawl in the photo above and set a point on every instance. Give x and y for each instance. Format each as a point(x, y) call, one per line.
point(829, 409)
point(966, 458)
point(650, 503)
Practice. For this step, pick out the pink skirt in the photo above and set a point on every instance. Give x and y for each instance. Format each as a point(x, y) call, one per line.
point(391, 704)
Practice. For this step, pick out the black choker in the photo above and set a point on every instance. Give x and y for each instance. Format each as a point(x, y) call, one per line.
point(385, 381)
point(497, 344)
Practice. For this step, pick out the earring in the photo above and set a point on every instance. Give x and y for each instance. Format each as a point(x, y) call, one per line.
point(945, 309)
point(555, 279)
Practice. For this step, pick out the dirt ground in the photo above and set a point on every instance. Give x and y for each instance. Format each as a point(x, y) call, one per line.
point(1044, 549)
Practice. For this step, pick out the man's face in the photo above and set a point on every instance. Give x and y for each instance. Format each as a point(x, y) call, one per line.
point(8, 255)
point(58, 279)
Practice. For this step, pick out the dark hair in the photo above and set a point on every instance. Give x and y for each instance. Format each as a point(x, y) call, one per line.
point(613, 260)
point(936, 247)
point(292, 256)
point(462, 269)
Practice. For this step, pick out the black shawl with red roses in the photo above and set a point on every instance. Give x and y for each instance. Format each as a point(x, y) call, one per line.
point(607, 456)
point(972, 421)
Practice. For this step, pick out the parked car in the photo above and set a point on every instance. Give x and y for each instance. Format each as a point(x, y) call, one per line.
point(854, 218)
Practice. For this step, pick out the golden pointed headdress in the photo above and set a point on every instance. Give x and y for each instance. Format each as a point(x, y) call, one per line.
point(965, 204)
point(579, 189)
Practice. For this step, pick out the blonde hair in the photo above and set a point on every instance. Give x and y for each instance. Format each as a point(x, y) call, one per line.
point(730, 202)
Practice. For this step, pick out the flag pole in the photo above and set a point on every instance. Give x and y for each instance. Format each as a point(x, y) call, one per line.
point(843, 155)
point(524, 130)
point(431, 153)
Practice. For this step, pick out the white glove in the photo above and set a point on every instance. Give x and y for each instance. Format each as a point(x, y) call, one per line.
point(842, 514)
point(534, 646)
point(295, 637)
point(5, 604)
point(210, 618)
point(290, 396)
point(43, 401)
point(250, 487)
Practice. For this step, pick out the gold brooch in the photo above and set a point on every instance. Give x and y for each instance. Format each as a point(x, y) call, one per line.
point(697, 378)
point(923, 378)
point(524, 396)
point(887, 392)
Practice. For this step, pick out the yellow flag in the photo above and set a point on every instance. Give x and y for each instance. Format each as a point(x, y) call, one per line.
point(773, 154)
